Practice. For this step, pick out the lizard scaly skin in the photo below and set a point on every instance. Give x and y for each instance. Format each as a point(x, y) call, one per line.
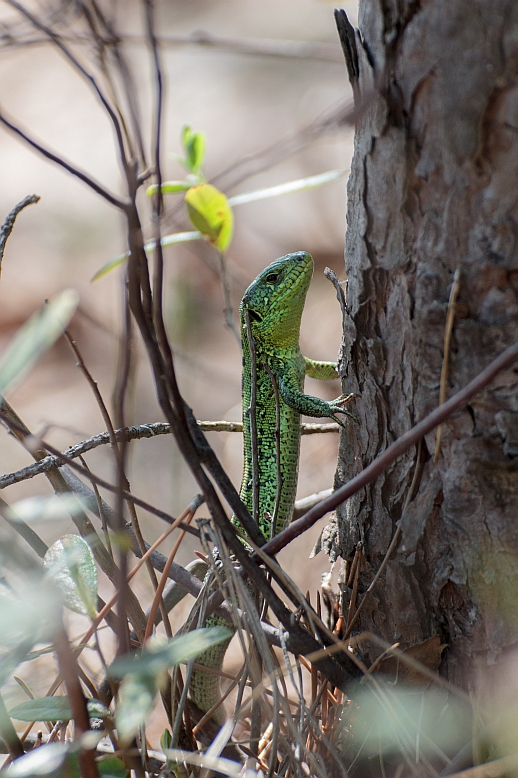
point(274, 303)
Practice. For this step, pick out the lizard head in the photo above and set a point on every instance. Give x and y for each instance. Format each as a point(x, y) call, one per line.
point(275, 300)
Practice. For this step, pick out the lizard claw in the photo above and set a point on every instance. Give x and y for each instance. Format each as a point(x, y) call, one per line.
point(338, 407)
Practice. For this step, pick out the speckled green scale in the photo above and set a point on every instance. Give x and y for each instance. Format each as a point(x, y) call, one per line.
point(274, 302)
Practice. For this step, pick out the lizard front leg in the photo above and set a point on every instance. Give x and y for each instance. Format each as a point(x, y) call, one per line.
point(307, 404)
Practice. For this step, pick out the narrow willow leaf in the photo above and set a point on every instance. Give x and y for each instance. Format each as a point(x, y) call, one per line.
point(40, 509)
point(55, 709)
point(35, 337)
point(300, 185)
point(136, 697)
point(43, 709)
point(46, 761)
point(165, 739)
point(211, 214)
point(70, 563)
point(153, 661)
point(168, 240)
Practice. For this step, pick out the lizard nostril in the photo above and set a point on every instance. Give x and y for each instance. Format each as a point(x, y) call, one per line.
point(301, 255)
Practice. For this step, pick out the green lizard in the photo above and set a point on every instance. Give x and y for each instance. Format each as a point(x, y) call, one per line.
point(273, 305)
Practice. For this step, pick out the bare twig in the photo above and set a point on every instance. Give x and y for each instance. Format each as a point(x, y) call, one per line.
point(450, 316)
point(395, 450)
point(7, 226)
point(39, 25)
point(251, 410)
point(280, 479)
point(84, 177)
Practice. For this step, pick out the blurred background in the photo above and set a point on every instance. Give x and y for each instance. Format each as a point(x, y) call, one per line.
point(245, 101)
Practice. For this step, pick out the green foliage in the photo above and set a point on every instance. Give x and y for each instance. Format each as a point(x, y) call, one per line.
point(59, 760)
point(209, 210)
point(54, 709)
point(159, 657)
point(194, 147)
point(35, 337)
point(28, 617)
point(48, 761)
point(71, 564)
point(211, 214)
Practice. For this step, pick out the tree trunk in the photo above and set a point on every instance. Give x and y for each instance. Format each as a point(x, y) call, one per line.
point(433, 188)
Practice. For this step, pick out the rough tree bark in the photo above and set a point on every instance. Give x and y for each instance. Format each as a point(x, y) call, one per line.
point(433, 188)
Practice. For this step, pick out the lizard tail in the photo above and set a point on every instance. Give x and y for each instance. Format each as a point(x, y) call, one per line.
point(204, 687)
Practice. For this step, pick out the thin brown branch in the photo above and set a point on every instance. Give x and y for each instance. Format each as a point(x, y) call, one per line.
point(39, 25)
point(84, 177)
point(8, 733)
point(394, 451)
point(7, 226)
point(450, 316)
point(266, 47)
point(251, 410)
point(69, 671)
point(278, 467)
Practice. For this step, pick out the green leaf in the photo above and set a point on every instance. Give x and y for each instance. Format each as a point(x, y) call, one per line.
point(30, 617)
point(45, 761)
point(165, 739)
point(70, 563)
point(168, 240)
point(35, 337)
point(194, 147)
point(169, 187)
point(59, 507)
point(43, 709)
point(300, 185)
point(136, 697)
point(111, 767)
point(211, 214)
point(55, 709)
point(154, 660)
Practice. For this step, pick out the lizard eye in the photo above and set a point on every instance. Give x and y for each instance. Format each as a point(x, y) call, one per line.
point(272, 278)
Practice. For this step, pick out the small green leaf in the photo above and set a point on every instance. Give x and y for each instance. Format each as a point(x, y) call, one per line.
point(43, 709)
point(70, 563)
point(165, 739)
point(300, 185)
point(111, 767)
point(136, 697)
point(211, 214)
point(169, 187)
point(44, 762)
point(152, 661)
point(194, 147)
point(35, 337)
